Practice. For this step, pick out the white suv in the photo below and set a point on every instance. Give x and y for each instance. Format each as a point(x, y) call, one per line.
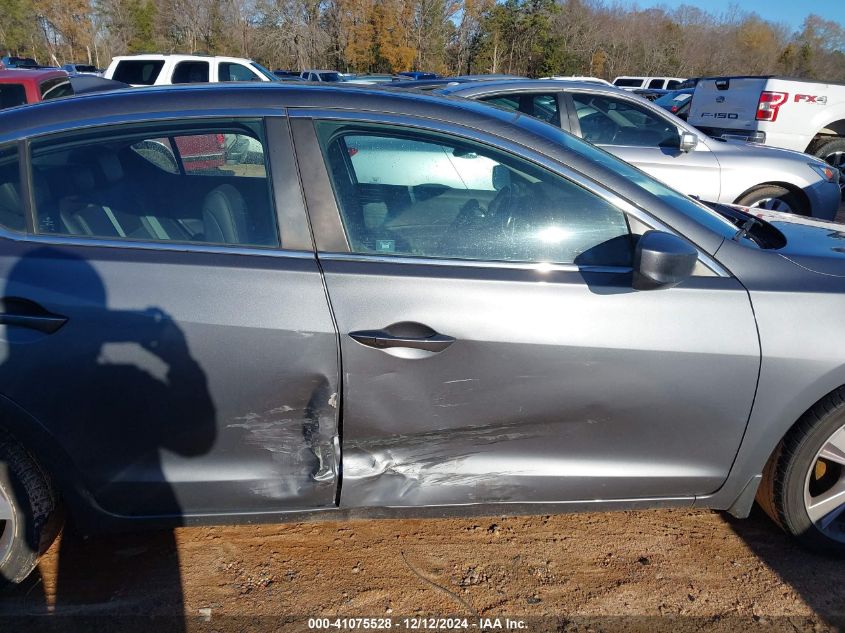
point(164, 70)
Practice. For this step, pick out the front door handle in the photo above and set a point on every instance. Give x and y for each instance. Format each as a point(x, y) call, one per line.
point(383, 339)
point(24, 313)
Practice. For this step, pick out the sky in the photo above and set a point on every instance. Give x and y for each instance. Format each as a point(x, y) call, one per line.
point(789, 12)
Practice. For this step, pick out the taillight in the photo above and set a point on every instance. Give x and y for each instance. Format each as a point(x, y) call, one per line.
point(221, 140)
point(769, 104)
point(674, 109)
point(352, 150)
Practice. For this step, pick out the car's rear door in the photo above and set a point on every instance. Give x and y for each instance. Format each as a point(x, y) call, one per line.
point(494, 350)
point(167, 327)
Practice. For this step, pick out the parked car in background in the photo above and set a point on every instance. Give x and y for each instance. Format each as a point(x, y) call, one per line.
point(20, 86)
point(801, 115)
point(11, 61)
point(369, 79)
point(600, 340)
point(650, 94)
point(677, 102)
point(281, 74)
point(415, 74)
point(331, 76)
point(84, 84)
point(427, 85)
point(648, 83)
point(164, 70)
point(669, 149)
point(82, 69)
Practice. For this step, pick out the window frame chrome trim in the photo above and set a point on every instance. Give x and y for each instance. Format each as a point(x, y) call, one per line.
point(497, 142)
point(211, 249)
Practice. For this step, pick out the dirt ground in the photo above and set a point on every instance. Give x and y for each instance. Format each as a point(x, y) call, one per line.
point(699, 570)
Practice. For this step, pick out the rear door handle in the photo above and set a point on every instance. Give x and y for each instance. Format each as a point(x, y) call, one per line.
point(381, 339)
point(24, 313)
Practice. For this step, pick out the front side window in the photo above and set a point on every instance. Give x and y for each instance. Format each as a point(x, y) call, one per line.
point(190, 73)
point(655, 84)
point(608, 120)
point(229, 71)
point(11, 204)
point(410, 193)
point(140, 183)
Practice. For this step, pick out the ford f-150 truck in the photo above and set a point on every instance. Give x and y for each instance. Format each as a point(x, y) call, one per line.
point(807, 116)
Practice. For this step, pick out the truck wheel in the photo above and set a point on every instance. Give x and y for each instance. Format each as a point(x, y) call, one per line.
point(803, 487)
point(29, 512)
point(832, 151)
point(774, 198)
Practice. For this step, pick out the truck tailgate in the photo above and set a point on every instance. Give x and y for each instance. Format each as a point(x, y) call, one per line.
point(729, 103)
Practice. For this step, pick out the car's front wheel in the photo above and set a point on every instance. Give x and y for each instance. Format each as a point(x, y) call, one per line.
point(803, 487)
point(29, 512)
point(774, 198)
point(832, 151)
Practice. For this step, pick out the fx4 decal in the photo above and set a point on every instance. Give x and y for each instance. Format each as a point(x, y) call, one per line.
point(820, 99)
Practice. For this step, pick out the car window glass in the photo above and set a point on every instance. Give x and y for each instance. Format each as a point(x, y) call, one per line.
point(138, 72)
point(540, 106)
point(410, 193)
point(55, 88)
point(672, 84)
point(630, 82)
point(11, 204)
point(655, 84)
point(611, 121)
point(229, 71)
point(190, 72)
point(12, 95)
point(138, 183)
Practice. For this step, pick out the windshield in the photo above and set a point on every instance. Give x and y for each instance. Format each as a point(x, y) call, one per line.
point(264, 71)
point(699, 212)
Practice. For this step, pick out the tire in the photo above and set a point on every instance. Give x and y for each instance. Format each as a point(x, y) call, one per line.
point(774, 198)
point(832, 151)
point(796, 478)
point(32, 502)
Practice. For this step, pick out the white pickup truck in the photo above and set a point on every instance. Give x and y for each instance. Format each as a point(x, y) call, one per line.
point(806, 116)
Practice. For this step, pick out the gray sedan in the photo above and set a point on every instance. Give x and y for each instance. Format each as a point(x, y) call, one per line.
point(401, 305)
point(670, 149)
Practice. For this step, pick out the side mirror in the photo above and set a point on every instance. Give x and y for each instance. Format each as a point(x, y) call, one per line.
point(662, 260)
point(689, 142)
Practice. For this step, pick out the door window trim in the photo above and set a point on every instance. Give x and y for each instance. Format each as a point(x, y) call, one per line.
point(324, 213)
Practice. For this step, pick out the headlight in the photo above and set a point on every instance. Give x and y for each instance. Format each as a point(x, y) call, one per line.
point(831, 174)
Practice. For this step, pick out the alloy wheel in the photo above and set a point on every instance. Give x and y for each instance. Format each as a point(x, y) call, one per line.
point(773, 204)
point(837, 160)
point(824, 490)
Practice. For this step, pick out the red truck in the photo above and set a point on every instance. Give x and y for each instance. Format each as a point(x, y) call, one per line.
point(18, 87)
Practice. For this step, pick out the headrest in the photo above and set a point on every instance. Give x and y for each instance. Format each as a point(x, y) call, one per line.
point(82, 177)
point(110, 166)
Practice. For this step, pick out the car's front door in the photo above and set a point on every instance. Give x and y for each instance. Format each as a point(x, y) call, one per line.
point(493, 349)
point(158, 329)
point(648, 139)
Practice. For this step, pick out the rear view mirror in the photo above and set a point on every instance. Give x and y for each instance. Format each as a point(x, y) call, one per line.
point(662, 260)
point(689, 141)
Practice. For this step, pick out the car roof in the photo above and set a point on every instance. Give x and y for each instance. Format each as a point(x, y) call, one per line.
point(177, 56)
point(196, 100)
point(474, 88)
point(22, 75)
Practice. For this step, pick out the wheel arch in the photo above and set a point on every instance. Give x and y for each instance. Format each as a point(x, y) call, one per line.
point(832, 129)
point(43, 447)
point(792, 188)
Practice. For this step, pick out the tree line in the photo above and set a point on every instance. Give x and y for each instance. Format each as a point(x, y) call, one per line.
point(523, 37)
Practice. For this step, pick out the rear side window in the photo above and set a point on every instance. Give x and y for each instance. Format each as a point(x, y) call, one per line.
point(629, 82)
point(228, 71)
point(655, 84)
point(540, 106)
point(55, 88)
point(139, 183)
point(12, 95)
point(11, 205)
point(673, 84)
point(138, 72)
point(411, 193)
point(190, 73)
